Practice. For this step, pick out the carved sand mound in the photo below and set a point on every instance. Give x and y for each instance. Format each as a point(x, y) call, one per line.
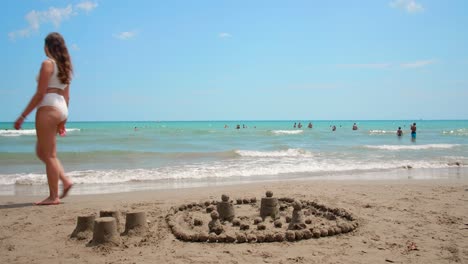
point(274, 220)
point(105, 229)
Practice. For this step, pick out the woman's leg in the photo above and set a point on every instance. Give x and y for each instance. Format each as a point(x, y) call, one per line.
point(67, 183)
point(47, 119)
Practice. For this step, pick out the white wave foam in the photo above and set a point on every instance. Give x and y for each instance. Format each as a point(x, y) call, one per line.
point(226, 169)
point(413, 147)
point(279, 153)
point(26, 132)
point(287, 132)
point(457, 132)
point(382, 131)
point(17, 133)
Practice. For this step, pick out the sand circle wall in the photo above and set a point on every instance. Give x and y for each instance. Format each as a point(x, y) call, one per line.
point(296, 220)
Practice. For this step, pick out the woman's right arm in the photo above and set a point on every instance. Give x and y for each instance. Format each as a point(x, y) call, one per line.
point(47, 68)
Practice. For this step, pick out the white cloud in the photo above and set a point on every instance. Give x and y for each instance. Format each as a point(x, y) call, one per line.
point(410, 6)
point(53, 15)
point(87, 6)
point(365, 65)
point(224, 35)
point(125, 35)
point(417, 64)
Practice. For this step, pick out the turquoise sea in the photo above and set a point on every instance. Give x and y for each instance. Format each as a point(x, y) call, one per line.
point(125, 156)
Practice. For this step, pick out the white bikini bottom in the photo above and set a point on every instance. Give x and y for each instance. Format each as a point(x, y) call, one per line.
point(57, 101)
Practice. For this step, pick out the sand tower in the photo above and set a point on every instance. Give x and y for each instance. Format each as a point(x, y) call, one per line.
point(269, 206)
point(225, 209)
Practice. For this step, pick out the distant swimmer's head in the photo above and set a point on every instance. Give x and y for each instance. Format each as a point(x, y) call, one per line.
point(56, 49)
point(414, 124)
point(399, 127)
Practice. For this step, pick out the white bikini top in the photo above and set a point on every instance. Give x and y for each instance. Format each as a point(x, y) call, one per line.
point(54, 81)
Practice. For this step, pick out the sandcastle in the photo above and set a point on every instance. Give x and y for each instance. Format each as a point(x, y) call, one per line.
point(105, 229)
point(242, 220)
point(247, 222)
point(269, 206)
point(225, 208)
point(84, 227)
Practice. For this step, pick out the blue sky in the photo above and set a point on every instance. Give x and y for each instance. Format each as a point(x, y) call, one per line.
point(244, 60)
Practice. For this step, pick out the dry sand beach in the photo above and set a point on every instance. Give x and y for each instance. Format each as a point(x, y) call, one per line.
point(405, 221)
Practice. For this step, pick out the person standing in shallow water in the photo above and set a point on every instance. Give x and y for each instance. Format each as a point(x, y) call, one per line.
point(51, 100)
point(413, 132)
point(399, 132)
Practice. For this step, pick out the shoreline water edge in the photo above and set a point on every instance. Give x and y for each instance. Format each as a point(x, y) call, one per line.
point(103, 157)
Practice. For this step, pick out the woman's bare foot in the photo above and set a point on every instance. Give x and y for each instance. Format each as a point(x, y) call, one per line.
point(66, 188)
point(48, 201)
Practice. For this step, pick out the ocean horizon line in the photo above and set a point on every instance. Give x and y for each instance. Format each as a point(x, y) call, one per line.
point(250, 120)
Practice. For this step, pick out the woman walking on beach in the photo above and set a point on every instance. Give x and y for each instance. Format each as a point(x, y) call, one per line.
point(51, 100)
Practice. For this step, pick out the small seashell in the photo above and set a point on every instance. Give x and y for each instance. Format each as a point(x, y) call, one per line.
point(261, 226)
point(308, 221)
